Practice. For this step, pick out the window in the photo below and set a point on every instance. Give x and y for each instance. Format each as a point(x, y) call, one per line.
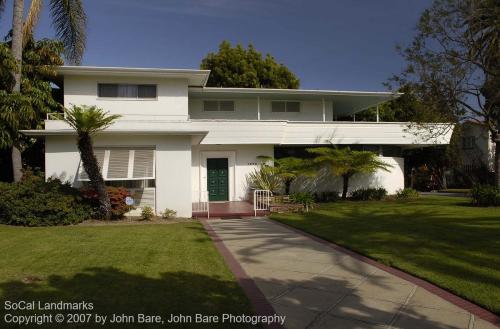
point(218, 105)
point(113, 90)
point(285, 106)
point(123, 164)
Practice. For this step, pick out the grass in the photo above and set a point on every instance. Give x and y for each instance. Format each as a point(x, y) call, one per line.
point(455, 190)
point(131, 269)
point(441, 239)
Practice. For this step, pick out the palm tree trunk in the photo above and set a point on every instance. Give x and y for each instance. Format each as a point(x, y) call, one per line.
point(288, 183)
point(17, 52)
point(17, 164)
point(91, 166)
point(345, 186)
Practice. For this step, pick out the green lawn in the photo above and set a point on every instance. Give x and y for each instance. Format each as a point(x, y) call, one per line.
point(441, 239)
point(152, 269)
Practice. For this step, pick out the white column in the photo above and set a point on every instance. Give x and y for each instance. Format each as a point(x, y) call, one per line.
point(324, 109)
point(258, 107)
point(354, 117)
point(378, 117)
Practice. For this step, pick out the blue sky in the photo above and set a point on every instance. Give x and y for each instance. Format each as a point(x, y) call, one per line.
point(341, 44)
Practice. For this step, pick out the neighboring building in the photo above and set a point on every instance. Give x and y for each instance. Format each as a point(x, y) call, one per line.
point(177, 137)
point(478, 150)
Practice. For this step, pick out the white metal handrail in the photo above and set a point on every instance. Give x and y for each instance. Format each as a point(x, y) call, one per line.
point(201, 203)
point(261, 200)
point(55, 116)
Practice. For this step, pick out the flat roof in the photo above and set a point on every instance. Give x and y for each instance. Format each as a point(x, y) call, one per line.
point(195, 77)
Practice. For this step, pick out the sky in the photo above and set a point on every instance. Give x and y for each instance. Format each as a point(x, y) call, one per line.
point(328, 44)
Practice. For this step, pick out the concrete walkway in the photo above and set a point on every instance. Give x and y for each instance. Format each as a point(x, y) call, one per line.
point(315, 286)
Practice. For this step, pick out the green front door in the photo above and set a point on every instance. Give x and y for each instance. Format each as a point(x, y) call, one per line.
point(217, 179)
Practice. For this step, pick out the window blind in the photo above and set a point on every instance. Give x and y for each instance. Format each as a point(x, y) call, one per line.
point(118, 163)
point(123, 164)
point(143, 164)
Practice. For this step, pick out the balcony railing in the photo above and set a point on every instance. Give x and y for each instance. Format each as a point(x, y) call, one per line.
point(55, 116)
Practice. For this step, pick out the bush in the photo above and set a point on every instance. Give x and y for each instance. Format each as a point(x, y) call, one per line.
point(147, 213)
point(485, 196)
point(304, 198)
point(369, 194)
point(330, 196)
point(36, 202)
point(117, 197)
point(168, 213)
point(265, 178)
point(406, 193)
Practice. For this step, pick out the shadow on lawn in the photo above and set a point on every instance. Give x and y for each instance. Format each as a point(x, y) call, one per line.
point(114, 291)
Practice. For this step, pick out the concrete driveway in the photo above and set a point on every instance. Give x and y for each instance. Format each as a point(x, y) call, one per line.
point(316, 286)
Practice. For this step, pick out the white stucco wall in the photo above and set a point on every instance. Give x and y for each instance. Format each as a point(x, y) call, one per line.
point(173, 165)
point(171, 102)
point(391, 181)
point(242, 160)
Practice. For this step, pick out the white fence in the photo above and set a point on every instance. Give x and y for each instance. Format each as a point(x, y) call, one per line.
point(200, 202)
point(261, 200)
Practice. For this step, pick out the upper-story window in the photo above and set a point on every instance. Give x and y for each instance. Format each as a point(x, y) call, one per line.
point(218, 105)
point(285, 106)
point(114, 90)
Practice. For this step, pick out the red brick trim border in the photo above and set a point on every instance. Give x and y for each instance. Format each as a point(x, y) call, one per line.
point(445, 294)
point(259, 302)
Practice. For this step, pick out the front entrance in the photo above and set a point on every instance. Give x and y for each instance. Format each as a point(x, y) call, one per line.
point(217, 179)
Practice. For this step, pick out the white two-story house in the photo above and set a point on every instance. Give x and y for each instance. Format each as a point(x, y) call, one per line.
point(177, 138)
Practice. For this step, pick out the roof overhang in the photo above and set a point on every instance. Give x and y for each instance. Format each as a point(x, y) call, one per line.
point(196, 136)
point(197, 78)
point(344, 102)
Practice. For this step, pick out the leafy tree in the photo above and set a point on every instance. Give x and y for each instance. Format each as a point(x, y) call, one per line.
point(405, 108)
point(346, 163)
point(88, 120)
point(246, 68)
point(26, 109)
point(454, 65)
point(69, 20)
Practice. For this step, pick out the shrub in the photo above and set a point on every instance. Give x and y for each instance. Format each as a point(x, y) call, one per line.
point(407, 193)
point(147, 213)
point(485, 195)
point(369, 194)
point(304, 198)
point(330, 196)
point(168, 213)
point(265, 178)
point(117, 197)
point(36, 202)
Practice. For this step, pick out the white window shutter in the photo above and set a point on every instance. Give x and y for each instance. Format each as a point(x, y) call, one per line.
point(99, 154)
point(118, 164)
point(144, 163)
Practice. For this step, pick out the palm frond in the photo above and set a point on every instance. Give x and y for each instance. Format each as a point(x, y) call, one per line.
point(31, 20)
point(69, 21)
point(89, 119)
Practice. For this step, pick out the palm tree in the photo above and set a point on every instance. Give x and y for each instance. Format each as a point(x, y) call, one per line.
point(289, 168)
point(345, 162)
point(88, 120)
point(69, 21)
